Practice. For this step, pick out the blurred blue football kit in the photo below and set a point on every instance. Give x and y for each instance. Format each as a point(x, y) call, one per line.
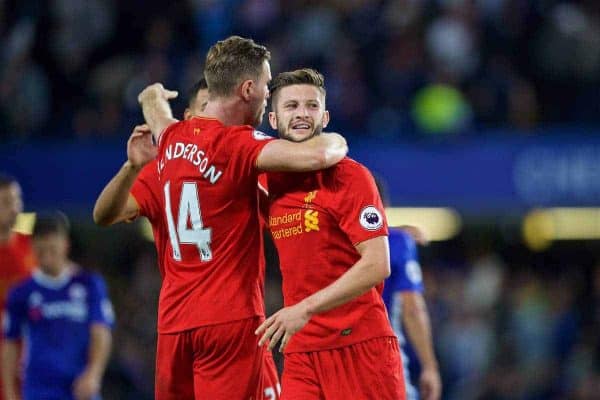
point(53, 316)
point(405, 276)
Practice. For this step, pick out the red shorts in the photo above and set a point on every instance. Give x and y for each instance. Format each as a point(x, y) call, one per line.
point(364, 371)
point(211, 362)
point(271, 386)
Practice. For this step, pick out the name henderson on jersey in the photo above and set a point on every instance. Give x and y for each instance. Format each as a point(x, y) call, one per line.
point(191, 153)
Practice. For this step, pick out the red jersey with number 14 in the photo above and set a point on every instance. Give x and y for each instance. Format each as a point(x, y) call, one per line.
point(214, 256)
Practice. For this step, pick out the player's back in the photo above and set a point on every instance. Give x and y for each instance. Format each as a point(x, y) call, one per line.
point(208, 177)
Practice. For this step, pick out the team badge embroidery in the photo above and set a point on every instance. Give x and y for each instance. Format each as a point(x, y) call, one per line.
point(371, 218)
point(310, 196)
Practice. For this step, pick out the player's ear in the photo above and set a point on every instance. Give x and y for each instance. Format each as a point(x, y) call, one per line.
point(187, 114)
point(325, 118)
point(246, 89)
point(273, 120)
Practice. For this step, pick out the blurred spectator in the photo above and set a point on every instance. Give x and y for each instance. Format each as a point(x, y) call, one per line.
point(507, 63)
point(440, 109)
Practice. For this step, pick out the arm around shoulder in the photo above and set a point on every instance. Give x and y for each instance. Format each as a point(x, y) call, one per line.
point(320, 152)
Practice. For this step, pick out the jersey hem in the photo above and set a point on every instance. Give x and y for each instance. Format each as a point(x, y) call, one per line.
point(205, 324)
point(392, 335)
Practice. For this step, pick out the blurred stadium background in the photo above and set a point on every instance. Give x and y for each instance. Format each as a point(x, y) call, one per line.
point(482, 117)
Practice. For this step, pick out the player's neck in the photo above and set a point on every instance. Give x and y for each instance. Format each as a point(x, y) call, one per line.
point(61, 270)
point(229, 111)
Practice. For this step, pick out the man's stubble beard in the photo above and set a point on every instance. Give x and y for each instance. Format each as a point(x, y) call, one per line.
point(283, 132)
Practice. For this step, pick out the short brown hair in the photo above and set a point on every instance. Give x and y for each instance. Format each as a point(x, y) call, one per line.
point(53, 223)
point(304, 76)
point(231, 61)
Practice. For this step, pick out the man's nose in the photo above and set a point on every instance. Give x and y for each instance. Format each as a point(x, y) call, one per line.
point(301, 111)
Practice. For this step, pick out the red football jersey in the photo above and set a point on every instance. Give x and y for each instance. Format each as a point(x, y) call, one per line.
point(214, 256)
point(16, 262)
point(148, 194)
point(316, 219)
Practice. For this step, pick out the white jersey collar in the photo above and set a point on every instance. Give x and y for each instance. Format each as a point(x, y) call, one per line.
point(53, 282)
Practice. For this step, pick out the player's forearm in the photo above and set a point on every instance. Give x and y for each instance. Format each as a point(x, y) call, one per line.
point(99, 350)
point(418, 328)
point(320, 152)
point(157, 111)
point(369, 271)
point(10, 354)
point(111, 205)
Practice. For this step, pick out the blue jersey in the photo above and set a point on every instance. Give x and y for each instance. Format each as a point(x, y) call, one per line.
point(405, 276)
point(54, 316)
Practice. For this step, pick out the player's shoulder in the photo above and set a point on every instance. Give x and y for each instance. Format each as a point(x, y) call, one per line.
point(350, 171)
point(21, 236)
point(21, 239)
point(21, 288)
point(87, 277)
point(247, 131)
point(350, 166)
point(195, 126)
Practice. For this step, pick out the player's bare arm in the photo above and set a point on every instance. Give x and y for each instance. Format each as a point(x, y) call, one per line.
point(115, 203)
point(415, 320)
point(87, 385)
point(317, 153)
point(154, 100)
point(370, 270)
point(10, 367)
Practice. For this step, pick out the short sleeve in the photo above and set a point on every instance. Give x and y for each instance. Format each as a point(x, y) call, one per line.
point(245, 144)
point(358, 205)
point(146, 190)
point(13, 316)
point(406, 270)
point(101, 309)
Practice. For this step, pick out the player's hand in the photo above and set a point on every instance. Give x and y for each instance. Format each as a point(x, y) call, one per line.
point(140, 148)
point(282, 325)
point(86, 386)
point(416, 233)
point(430, 384)
point(156, 90)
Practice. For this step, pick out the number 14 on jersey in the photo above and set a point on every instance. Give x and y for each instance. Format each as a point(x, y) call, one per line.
point(189, 211)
